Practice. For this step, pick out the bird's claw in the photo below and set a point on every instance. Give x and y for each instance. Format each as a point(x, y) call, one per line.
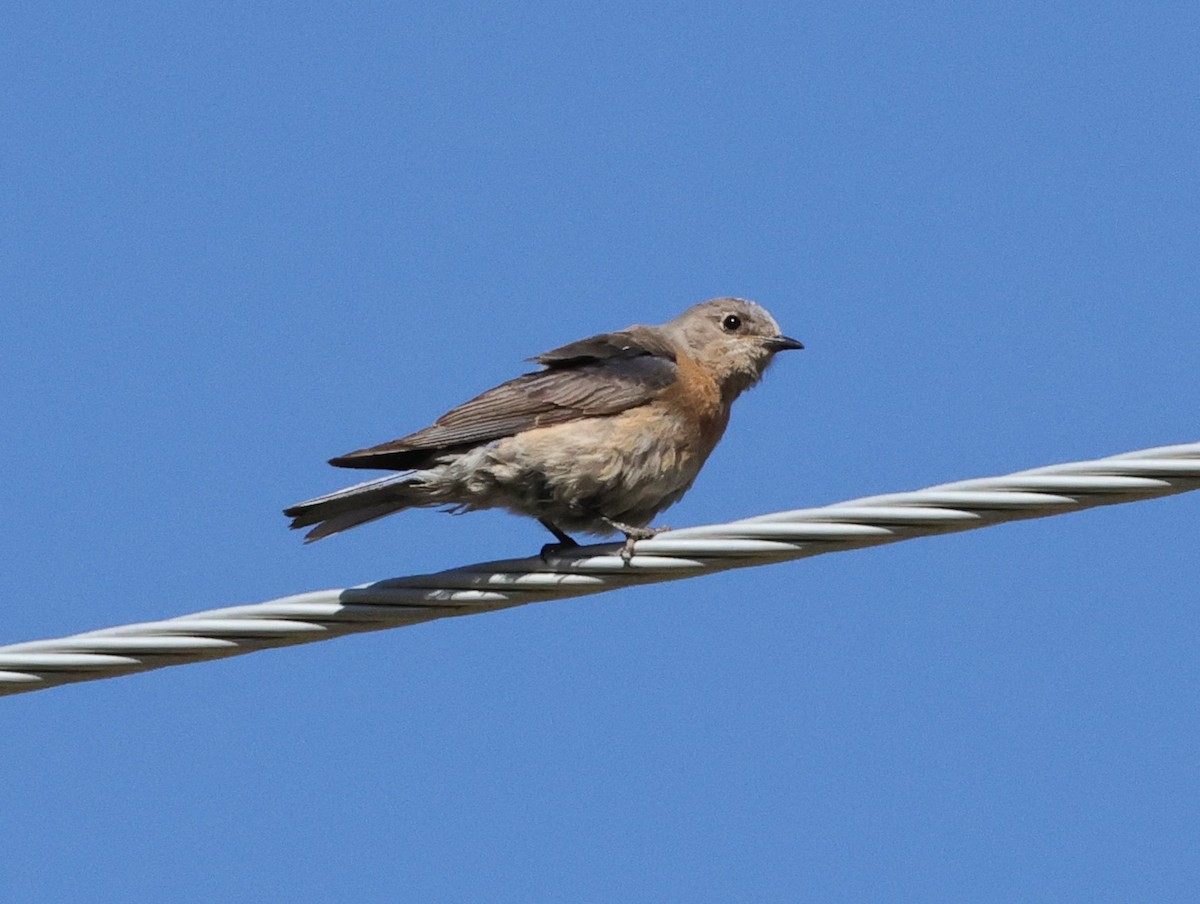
point(565, 540)
point(632, 535)
point(627, 549)
point(555, 549)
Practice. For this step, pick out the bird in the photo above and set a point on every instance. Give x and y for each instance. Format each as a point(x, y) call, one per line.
point(612, 430)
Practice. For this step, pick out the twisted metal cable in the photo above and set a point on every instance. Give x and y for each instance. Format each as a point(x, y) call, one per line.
point(488, 586)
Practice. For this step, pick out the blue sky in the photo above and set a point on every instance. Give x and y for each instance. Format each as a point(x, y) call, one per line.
point(238, 241)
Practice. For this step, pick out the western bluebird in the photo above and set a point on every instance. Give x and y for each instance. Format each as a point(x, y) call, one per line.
point(611, 431)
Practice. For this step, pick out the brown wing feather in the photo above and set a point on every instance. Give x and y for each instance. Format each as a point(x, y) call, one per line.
point(632, 342)
point(598, 376)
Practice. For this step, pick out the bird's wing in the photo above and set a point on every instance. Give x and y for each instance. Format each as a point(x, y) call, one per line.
point(634, 342)
point(602, 375)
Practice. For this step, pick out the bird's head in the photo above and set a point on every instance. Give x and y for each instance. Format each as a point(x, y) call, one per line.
point(734, 339)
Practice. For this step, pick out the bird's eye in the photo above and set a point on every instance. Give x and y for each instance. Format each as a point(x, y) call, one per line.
point(732, 323)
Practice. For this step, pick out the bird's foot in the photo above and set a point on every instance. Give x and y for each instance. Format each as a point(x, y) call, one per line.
point(556, 549)
point(565, 540)
point(632, 535)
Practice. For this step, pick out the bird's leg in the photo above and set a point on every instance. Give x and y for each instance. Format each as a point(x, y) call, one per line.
point(632, 535)
point(565, 540)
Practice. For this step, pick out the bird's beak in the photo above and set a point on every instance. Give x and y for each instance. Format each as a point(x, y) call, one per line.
point(782, 343)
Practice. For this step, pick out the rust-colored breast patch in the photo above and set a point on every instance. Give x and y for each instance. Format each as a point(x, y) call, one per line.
point(696, 395)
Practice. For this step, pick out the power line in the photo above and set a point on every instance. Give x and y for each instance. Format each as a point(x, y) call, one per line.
point(488, 586)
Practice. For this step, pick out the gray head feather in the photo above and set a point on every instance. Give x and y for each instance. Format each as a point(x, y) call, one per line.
point(733, 338)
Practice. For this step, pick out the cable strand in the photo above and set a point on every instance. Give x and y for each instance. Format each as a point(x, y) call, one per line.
point(672, 555)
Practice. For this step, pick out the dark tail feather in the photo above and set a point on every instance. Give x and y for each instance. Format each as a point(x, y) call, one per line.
point(336, 512)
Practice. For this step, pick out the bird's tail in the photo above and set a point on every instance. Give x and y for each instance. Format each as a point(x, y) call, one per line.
point(363, 502)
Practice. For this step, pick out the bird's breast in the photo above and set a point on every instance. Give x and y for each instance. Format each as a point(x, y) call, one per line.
point(695, 399)
point(628, 466)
